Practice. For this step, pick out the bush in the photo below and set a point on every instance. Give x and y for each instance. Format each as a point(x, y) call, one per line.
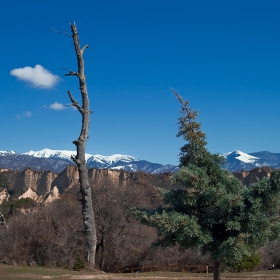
point(249, 262)
point(9, 207)
point(80, 263)
point(49, 235)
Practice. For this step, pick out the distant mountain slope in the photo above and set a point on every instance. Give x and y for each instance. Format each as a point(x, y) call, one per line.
point(17, 161)
point(58, 160)
point(267, 158)
point(237, 160)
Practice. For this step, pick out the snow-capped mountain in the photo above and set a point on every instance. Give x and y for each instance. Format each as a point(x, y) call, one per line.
point(65, 154)
point(246, 158)
point(58, 160)
point(47, 153)
point(237, 160)
point(7, 153)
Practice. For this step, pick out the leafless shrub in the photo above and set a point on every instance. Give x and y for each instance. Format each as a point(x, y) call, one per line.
point(122, 241)
point(49, 235)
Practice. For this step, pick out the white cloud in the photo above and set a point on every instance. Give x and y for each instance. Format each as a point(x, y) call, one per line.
point(57, 106)
point(27, 114)
point(37, 76)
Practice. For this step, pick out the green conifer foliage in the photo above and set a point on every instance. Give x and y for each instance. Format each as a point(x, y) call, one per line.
point(80, 263)
point(213, 212)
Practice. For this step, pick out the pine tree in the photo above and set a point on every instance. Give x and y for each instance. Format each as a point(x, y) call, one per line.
point(212, 211)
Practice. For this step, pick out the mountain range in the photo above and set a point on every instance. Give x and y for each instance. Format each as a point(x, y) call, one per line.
point(238, 161)
point(58, 160)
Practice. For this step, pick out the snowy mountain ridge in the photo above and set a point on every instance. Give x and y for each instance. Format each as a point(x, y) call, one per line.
point(57, 160)
point(237, 160)
point(65, 154)
point(246, 158)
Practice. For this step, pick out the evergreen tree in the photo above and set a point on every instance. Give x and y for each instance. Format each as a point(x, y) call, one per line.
point(212, 211)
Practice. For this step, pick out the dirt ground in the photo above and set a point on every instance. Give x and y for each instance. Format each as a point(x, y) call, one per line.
point(32, 273)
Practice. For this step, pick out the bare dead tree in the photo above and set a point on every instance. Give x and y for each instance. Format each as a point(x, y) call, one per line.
point(80, 143)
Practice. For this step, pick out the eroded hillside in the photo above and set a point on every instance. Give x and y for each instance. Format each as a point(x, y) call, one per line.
point(45, 183)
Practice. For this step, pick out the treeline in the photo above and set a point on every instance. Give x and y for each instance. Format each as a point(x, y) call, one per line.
point(52, 235)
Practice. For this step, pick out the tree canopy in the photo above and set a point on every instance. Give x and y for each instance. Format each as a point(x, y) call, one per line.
point(212, 211)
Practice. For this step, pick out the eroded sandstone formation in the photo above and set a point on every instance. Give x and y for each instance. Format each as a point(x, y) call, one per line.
point(249, 177)
point(45, 186)
point(38, 181)
point(4, 195)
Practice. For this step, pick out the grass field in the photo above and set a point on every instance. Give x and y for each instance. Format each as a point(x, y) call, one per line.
point(31, 273)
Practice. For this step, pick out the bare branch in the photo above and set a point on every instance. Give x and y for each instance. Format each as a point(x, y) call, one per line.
point(65, 30)
point(85, 47)
point(74, 102)
point(75, 160)
point(71, 73)
point(65, 33)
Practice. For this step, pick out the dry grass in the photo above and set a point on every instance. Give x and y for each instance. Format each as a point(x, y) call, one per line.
point(31, 273)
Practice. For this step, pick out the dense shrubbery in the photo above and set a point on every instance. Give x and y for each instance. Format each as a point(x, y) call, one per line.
point(51, 235)
point(249, 262)
point(122, 241)
point(9, 207)
point(48, 235)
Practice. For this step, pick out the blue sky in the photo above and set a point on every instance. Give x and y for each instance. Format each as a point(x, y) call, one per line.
point(223, 56)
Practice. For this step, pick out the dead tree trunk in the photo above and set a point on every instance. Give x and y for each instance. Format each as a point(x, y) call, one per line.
point(80, 143)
